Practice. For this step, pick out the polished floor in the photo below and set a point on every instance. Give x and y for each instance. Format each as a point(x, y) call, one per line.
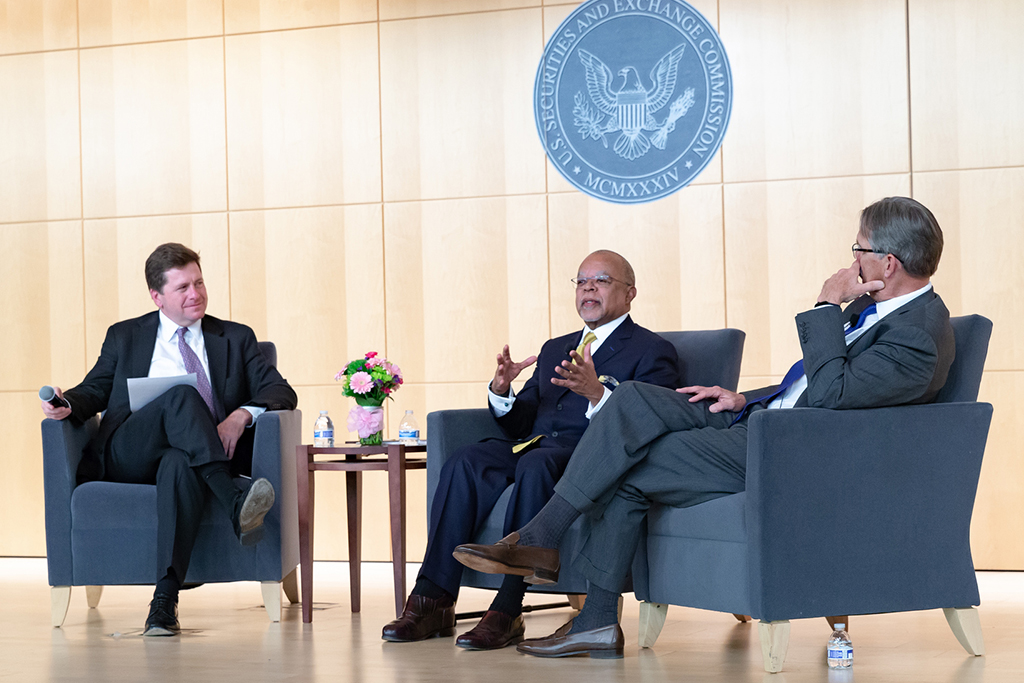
point(228, 637)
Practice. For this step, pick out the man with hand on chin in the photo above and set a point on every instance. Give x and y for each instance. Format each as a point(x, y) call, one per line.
point(893, 345)
point(543, 423)
point(183, 440)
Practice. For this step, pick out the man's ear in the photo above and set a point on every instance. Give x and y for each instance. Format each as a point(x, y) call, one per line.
point(630, 295)
point(155, 295)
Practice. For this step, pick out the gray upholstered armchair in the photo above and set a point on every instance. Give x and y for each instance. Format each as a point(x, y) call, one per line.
point(102, 533)
point(705, 357)
point(881, 498)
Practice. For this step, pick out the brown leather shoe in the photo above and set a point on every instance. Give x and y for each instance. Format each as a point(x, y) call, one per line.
point(600, 643)
point(495, 630)
point(422, 618)
point(537, 565)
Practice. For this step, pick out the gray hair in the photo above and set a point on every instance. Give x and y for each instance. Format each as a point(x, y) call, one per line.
point(906, 229)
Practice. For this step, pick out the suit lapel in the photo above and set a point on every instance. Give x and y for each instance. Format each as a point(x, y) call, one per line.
point(615, 342)
point(217, 355)
point(891, 319)
point(143, 343)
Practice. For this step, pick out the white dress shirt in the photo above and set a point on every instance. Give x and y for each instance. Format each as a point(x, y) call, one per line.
point(788, 398)
point(167, 360)
point(503, 404)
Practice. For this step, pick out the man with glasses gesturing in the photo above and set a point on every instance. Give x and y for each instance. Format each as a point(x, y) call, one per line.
point(893, 345)
point(544, 421)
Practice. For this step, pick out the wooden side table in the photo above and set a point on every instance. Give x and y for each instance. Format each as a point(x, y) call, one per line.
point(357, 459)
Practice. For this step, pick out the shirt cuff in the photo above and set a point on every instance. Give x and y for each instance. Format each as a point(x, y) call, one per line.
point(592, 410)
point(501, 404)
point(255, 412)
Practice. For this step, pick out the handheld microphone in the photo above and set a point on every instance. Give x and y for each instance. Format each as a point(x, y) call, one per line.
point(50, 396)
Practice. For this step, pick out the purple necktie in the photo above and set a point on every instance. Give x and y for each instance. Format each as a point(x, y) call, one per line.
point(192, 364)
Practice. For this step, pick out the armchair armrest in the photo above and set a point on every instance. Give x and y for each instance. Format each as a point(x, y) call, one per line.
point(863, 511)
point(448, 430)
point(63, 444)
point(278, 432)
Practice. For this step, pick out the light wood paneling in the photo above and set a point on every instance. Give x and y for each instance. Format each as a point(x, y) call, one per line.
point(464, 278)
point(21, 507)
point(821, 88)
point(997, 521)
point(35, 25)
point(674, 246)
point(39, 159)
point(42, 267)
point(782, 240)
point(303, 117)
point(116, 22)
point(967, 76)
point(455, 106)
point(153, 129)
point(407, 9)
point(311, 281)
point(115, 259)
point(243, 16)
point(983, 258)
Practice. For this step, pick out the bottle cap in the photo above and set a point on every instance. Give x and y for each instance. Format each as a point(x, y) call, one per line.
point(840, 626)
point(323, 412)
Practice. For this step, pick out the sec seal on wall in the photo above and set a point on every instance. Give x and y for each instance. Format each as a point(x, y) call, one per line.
point(632, 98)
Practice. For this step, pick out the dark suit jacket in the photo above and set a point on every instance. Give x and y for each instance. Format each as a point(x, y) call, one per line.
point(239, 374)
point(903, 358)
point(631, 352)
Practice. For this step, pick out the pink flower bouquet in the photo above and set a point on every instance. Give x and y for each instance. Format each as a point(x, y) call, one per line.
point(369, 380)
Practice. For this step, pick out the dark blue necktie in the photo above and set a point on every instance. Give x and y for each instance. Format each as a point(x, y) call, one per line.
point(797, 371)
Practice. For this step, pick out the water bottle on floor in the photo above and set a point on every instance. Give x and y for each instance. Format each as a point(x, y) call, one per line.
point(323, 431)
point(408, 430)
point(840, 649)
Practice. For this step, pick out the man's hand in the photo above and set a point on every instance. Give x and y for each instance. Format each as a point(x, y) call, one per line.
point(845, 286)
point(723, 398)
point(580, 376)
point(507, 371)
point(55, 413)
point(231, 429)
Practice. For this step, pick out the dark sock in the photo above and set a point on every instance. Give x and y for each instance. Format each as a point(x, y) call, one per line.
point(600, 609)
point(168, 585)
point(547, 528)
point(217, 476)
point(509, 599)
point(429, 589)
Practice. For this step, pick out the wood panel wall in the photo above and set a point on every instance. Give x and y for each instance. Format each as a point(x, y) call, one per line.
point(365, 175)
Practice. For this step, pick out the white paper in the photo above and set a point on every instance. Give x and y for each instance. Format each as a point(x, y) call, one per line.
point(142, 390)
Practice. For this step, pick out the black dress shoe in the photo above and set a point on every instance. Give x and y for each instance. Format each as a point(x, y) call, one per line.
point(257, 503)
point(495, 630)
point(600, 643)
point(422, 618)
point(536, 565)
point(163, 616)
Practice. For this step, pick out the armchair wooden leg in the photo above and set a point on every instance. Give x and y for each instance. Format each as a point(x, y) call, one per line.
point(774, 643)
point(60, 598)
point(742, 618)
point(272, 599)
point(291, 586)
point(966, 626)
point(652, 620)
point(92, 595)
point(576, 601)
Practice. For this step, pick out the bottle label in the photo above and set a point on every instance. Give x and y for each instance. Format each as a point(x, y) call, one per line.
point(408, 433)
point(840, 653)
point(323, 434)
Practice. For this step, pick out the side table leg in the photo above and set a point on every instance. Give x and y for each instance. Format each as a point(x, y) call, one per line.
point(304, 486)
point(354, 494)
point(396, 494)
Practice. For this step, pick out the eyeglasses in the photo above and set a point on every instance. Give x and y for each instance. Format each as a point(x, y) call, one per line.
point(602, 281)
point(857, 248)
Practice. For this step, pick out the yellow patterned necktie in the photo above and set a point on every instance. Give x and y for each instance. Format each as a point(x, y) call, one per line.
point(520, 447)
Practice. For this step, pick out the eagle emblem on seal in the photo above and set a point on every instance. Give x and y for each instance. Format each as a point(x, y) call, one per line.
point(625, 105)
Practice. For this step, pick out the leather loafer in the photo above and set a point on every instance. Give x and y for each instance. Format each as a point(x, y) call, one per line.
point(536, 565)
point(600, 643)
point(495, 630)
point(163, 617)
point(422, 618)
point(257, 503)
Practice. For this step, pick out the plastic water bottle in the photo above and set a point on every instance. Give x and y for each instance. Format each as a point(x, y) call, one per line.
point(408, 430)
point(840, 649)
point(323, 431)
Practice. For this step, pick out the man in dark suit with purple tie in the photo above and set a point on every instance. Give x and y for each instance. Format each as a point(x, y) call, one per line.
point(184, 440)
